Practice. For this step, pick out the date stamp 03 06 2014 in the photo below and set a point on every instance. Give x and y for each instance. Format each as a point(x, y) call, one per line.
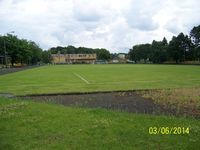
point(169, 130)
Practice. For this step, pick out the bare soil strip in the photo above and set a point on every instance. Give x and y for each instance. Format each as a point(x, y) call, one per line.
point(121, 101)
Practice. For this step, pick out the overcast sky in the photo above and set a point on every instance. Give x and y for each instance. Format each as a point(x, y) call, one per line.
point(113, 24)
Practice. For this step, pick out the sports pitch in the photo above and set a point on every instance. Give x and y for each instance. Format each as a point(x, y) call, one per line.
point(92, 78)
point(26, 124)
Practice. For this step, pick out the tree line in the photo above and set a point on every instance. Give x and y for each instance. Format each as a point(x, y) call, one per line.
point(14, 50)
point(181, 48)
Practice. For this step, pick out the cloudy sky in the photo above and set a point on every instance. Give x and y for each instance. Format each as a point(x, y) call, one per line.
point(113, 24)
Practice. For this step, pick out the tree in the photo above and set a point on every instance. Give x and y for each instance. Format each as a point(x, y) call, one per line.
point(133, 54)
point(140, 52)
point(164, 42)
point(20, 50)
point(102, 54)
point(36, 52)
point(195, 37)
point(71, 50)
point(46, 57)
point(159, 53)
point(12, 48)
point(179, 48)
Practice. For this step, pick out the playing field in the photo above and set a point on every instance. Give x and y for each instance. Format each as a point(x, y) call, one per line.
point(88, 78)
point(34, 125)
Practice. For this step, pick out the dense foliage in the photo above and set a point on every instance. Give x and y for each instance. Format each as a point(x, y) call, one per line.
point(14, 50)
point(181, 48)
point(17, 50)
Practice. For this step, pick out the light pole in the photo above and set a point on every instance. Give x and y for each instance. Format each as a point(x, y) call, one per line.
point(5, 52)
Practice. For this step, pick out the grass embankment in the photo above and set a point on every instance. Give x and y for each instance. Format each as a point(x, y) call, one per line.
point(30, 125)
point(90, 78)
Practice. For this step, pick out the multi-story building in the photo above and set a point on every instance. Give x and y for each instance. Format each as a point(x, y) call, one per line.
point(73, 58)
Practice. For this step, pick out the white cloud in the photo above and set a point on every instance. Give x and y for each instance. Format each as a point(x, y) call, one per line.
point(113, 24)
point(139, 15)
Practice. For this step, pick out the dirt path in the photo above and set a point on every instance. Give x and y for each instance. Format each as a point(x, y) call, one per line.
point(123, 101)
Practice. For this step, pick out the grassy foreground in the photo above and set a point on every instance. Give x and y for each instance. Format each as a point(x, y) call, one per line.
point(29, 125)
point(89, 78)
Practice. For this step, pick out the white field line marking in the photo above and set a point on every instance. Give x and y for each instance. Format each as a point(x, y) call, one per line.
point(86, 81)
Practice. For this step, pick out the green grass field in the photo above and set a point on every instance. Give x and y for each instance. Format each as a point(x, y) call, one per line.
point(89, 78)
point(34, 125)
point(28, 125)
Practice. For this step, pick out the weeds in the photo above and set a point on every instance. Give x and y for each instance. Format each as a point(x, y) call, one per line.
point(184, 101)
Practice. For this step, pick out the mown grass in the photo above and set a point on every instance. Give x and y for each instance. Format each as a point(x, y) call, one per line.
point(62, 78)
point(31, 125)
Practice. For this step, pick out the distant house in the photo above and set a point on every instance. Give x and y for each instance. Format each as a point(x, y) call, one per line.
point(122, 56)
point(119, 58)
point(73, 58)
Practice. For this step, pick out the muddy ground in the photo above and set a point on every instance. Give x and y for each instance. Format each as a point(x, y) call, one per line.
point(121, 101)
